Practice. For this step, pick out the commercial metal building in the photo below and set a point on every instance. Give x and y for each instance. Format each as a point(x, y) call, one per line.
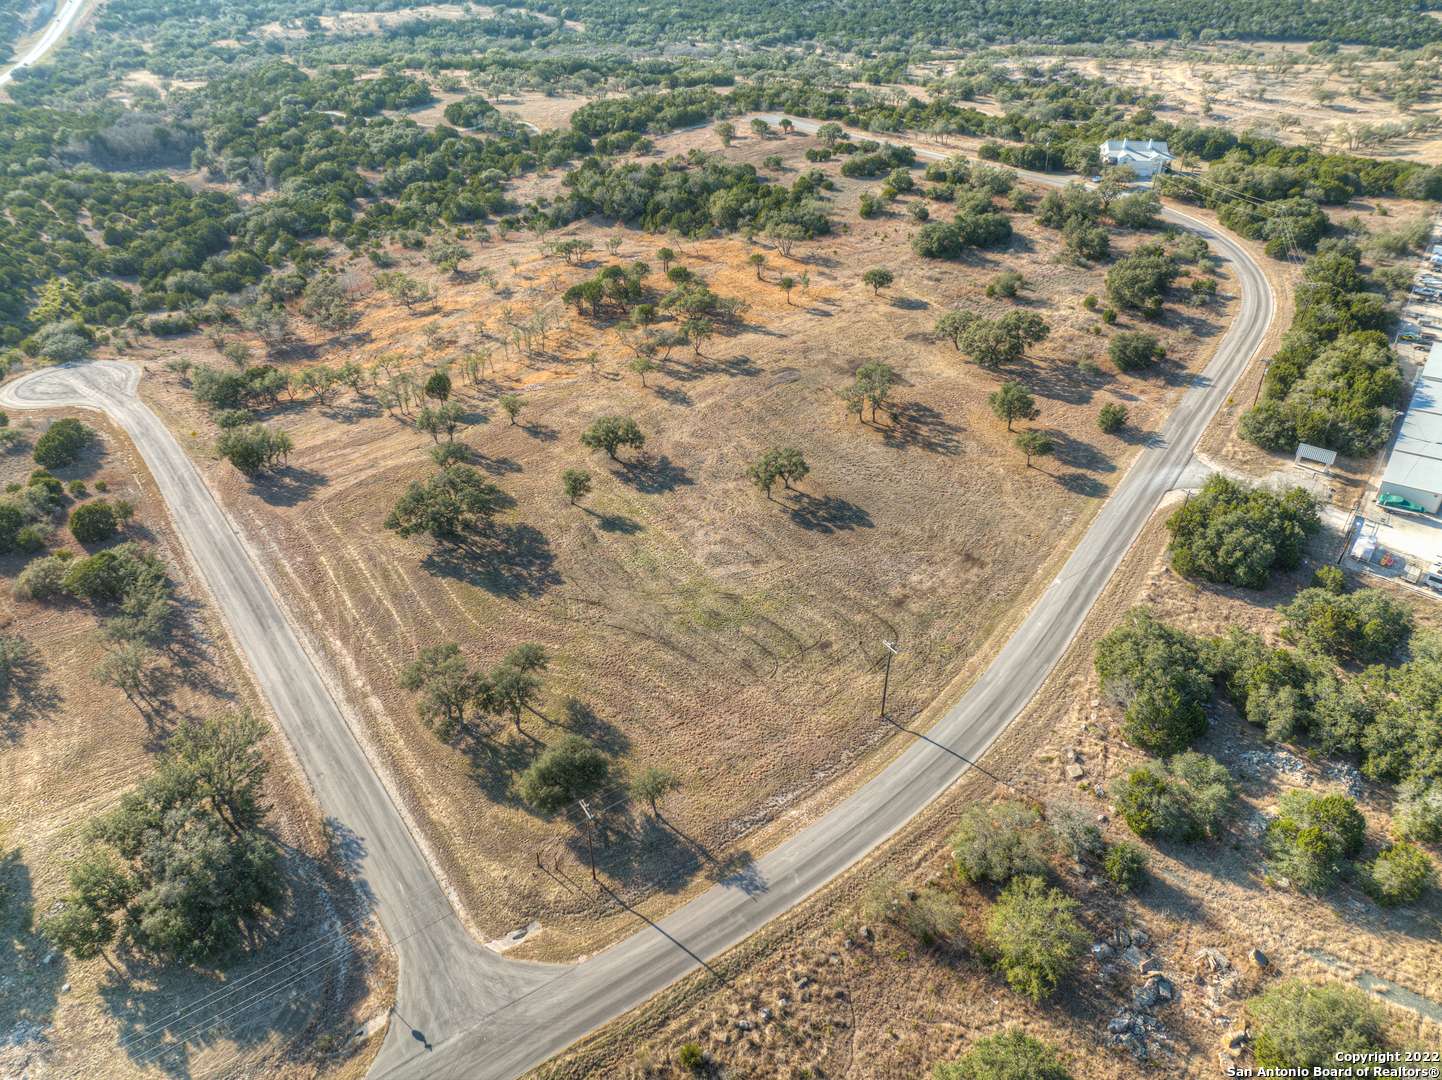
point(1413, 477)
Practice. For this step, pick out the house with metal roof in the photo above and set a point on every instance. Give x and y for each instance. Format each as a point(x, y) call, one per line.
point(1145, 157)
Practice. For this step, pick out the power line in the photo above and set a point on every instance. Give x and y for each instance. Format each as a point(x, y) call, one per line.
point(436, 908)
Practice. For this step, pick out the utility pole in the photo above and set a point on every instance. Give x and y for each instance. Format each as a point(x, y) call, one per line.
point(891, 651)
point(590, 842)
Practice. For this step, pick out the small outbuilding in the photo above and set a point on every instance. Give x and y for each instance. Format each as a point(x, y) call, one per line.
point(1145, 157)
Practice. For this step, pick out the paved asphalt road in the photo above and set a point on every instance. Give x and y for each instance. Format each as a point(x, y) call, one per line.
point(467, 1012)
point(68, 12)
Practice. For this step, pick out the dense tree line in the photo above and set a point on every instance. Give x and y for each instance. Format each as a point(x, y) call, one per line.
point(1388, 714)
point(692, 196)
point(872, 28)
point(1335, 382)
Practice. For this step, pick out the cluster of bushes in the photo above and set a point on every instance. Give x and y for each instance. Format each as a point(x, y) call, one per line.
point(1390, 717)
point(873, 159)
point(62, 443)
point(692, 196)
point(255, 448)
point(26, 511)
point(257, 385)
point(1233, 534)
point(623, 288)
point(976, 224)
point(1186, 797)
point(1289, 226)
point(1160, 677)
point(183, 866)
point(1140, 280)
point(1335, 381)
point(127, 584)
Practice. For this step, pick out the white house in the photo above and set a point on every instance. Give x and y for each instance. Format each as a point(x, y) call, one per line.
point(1145, 157)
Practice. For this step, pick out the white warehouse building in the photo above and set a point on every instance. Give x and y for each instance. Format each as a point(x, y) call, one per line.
point(1145, 157)
point(1413, 477)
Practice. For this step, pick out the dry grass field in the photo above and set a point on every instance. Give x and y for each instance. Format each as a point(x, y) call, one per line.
point(1283, 92)
point(694, 623)
point(816, 991)
point(69, 747)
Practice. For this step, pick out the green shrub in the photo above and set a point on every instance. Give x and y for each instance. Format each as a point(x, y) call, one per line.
point(171, 324)
point(1006, 284)
point(1125, 866)
point(1330, 578)
point(1419, 811)
point(997, 841)
point(1036, 936)
point(1157, 674)
point(568, 770)
point(1186, 798)
point(1365, 627)
point(62, 443)
point(1134, 351)
point(1237, 535)
point(1074, 828)
point(42, 579)
point(1112, 418)
point(1312, 838)
point(94, 522)
point(1400, 874)
point(691, 1056)
point(1140, 279)
point(1301, 1026)
point(1012, 1055)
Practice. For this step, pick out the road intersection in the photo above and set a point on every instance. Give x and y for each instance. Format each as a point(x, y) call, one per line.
point(465, 1011)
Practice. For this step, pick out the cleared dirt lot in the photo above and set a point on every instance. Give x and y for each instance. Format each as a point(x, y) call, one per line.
point(693, 622)
point(69, 747)
point(845, 1003)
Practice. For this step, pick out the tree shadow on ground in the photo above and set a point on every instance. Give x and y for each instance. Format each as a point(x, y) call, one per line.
point(1080, 483)
point(619, 524)
point(293, 975)
point(352, 411)
point(909, 303)
point(496, 761)
point(739, 871)
point(540, 432)
point(1054, 381)
point(32, 985)
point(638, 851)
point(188, 647)
point(673, 395)
point(1146, 439)
point(825, 514)
point(507, 560)
point(579, 718)
point(655, 475)
point(1075, 454)
point(289, 485)
point(25, 697)
point(921, 426)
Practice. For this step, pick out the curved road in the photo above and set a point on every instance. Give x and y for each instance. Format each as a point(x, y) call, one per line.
point(60, 22)
point(467, 1012)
